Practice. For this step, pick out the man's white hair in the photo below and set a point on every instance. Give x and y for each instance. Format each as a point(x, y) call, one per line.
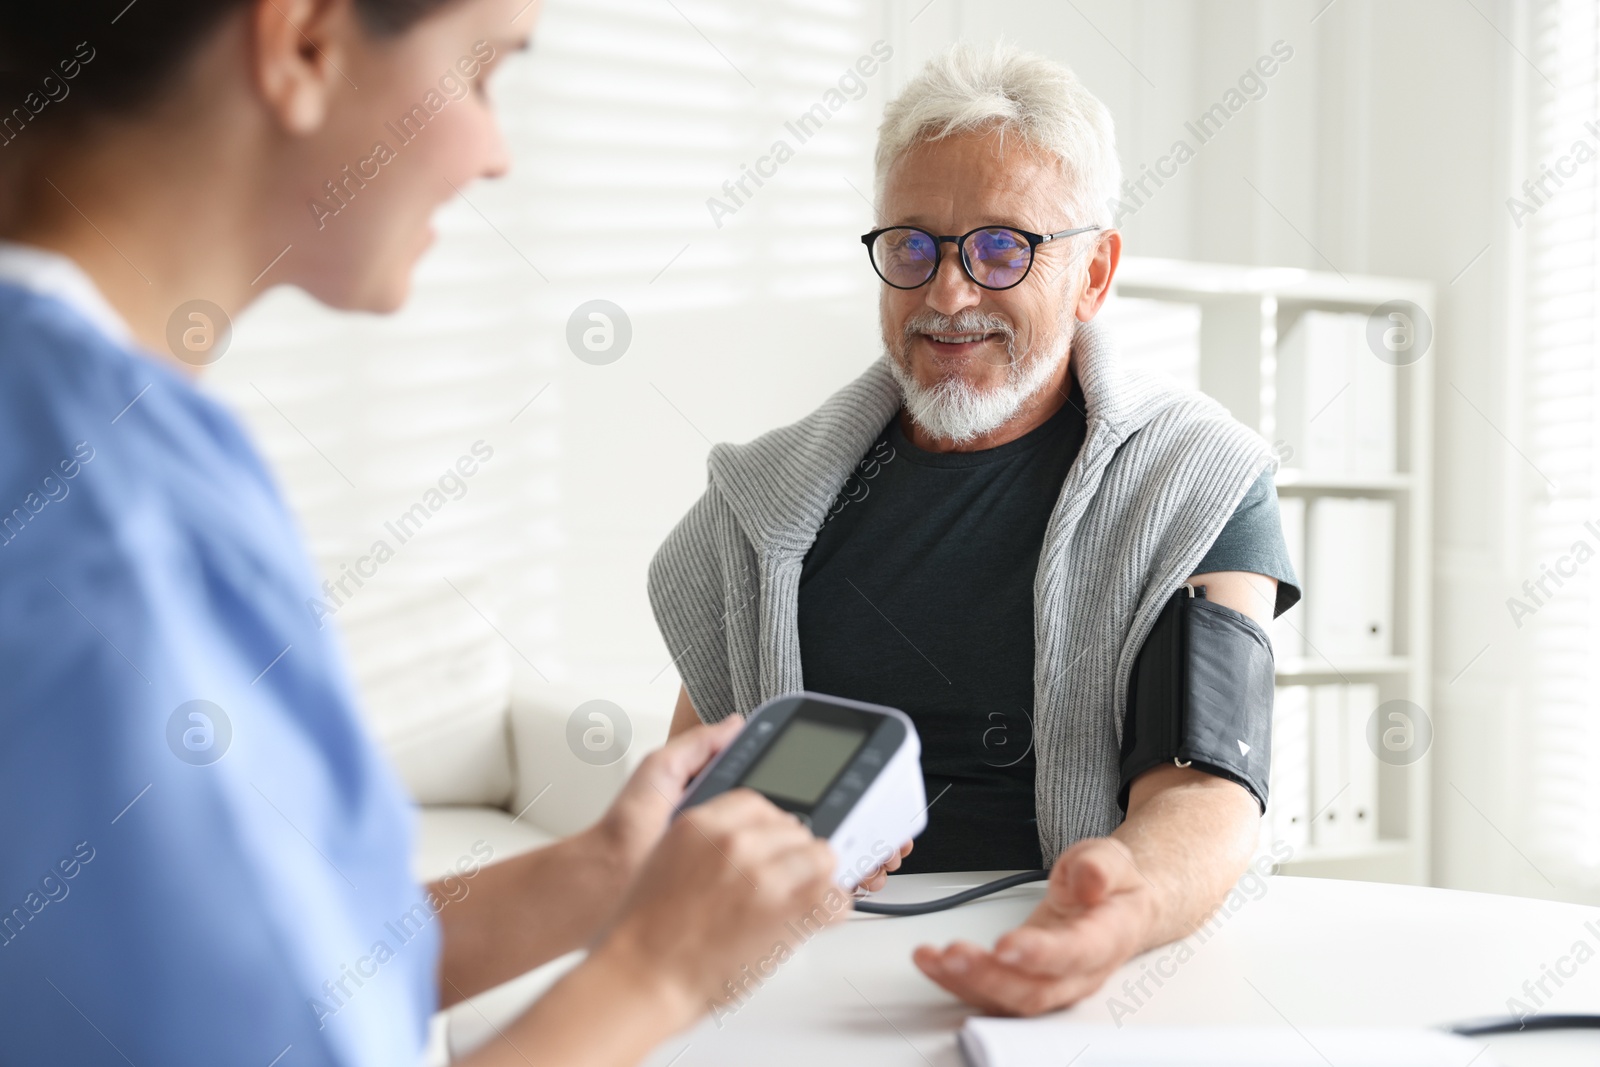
point(1001, 87)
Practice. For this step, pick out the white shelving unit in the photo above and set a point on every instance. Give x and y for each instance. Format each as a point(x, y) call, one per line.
point(1243, 311)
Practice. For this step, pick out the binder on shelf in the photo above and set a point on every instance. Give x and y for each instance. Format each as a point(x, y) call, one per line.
point(1349, 592)
point(1335, 398)
point(1288, 629)
point(1288, 818)
point(1355, 484)
point(1361, 766)
point(1330, 788)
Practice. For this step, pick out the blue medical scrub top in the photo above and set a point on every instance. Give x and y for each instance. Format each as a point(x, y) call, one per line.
point(203, 857)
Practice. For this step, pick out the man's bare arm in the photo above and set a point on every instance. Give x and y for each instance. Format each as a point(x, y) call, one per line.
point(683, 715)
point(1191, 835)
point(1187, 838)
point(1172, 810)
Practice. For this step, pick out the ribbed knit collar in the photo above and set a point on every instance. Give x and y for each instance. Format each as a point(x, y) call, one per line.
point(781, 484)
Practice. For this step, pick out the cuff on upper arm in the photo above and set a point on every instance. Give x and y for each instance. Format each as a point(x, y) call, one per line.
point(1201, 695)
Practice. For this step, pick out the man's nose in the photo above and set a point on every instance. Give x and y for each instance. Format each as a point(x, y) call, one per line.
point(951, 290)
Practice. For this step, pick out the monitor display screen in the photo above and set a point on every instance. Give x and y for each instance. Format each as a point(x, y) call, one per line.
point(807, 756)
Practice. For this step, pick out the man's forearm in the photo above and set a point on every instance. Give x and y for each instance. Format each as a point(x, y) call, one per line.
point(1191, 835)
point(525, 911)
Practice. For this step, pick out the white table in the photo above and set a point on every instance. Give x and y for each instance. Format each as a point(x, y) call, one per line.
point(1305, 951)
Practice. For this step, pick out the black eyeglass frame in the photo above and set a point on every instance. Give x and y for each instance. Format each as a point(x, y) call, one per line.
point(1034, 241)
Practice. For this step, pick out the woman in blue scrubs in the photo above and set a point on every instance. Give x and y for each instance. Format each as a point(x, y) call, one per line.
point(159, 905)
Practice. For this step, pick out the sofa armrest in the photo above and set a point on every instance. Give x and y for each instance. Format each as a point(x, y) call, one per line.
point(563, 785)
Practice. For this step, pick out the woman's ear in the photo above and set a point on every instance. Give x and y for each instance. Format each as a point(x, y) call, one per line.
point(296, 47)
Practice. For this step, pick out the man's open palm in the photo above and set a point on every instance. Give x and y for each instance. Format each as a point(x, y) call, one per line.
point(1098, 912)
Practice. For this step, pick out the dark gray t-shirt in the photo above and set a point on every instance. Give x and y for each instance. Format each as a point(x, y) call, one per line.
point(918, 594)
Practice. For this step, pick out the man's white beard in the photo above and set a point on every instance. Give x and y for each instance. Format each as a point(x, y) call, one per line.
point(954, 410)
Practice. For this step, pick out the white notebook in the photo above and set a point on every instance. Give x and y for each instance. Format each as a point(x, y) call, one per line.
point(1030, 1042)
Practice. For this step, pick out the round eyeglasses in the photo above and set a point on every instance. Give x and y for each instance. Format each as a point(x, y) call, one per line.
point(994, 257)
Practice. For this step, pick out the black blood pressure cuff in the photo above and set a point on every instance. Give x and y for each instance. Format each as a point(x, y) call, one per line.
point(1201, 695)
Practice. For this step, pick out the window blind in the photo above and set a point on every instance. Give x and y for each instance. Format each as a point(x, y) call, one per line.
point(1562, 316)
point(625, 118)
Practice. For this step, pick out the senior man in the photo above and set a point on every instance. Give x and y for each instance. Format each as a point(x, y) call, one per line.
point(983, 529)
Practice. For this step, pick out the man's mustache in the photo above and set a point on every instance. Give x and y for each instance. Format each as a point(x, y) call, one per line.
point(969, 321)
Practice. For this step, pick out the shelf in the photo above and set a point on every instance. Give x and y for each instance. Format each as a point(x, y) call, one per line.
point(1304, 669)
point(1345, 853)
point(1381, 861)
point(1294, 480)
point(1242, 313)
point(1173, 279)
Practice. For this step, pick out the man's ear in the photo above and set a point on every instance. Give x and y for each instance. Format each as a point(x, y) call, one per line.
point(1097, 279)
point(297, 48)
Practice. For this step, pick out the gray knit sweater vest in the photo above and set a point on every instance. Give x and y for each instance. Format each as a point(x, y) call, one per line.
point(1160, 473)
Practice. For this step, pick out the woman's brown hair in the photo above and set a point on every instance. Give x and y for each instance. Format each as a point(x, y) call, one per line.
point(112, 56)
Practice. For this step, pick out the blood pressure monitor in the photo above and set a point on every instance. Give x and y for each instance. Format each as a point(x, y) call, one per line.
point(850, 771)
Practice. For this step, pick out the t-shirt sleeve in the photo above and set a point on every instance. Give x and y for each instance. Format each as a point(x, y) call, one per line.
point(1252, 541)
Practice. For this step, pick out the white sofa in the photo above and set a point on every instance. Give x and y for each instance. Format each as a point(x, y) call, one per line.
point(507, 776)
point(481, 743)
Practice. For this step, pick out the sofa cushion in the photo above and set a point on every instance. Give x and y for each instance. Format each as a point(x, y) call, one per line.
point(451, 839)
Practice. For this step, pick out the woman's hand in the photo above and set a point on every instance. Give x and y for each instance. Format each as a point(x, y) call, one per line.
point(880, 877)
point(634, 823)
point(720, 893)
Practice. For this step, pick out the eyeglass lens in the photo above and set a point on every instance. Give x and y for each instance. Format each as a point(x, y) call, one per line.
point(998, 257)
